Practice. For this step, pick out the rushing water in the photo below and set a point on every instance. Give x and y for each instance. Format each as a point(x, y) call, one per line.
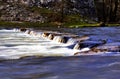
point(14, 45)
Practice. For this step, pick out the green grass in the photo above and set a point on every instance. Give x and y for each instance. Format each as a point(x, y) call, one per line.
point(80, 24)
point(72, 18)
point(40, 10)
point(25, 24)
point(51, 24)
point(114, 24)
point(76, 21)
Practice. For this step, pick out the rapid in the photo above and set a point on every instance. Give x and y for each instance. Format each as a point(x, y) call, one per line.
point(25, 56)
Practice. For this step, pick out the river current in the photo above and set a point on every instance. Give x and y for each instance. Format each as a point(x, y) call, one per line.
point(27, 57)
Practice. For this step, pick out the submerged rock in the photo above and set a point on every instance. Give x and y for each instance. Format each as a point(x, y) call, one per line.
point(102, 49)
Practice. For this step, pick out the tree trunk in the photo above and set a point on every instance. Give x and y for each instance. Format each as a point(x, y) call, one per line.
point(104, 12)
point(113, 10)
point(107, 11)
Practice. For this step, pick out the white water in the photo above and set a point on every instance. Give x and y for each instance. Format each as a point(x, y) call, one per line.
point(14, 45)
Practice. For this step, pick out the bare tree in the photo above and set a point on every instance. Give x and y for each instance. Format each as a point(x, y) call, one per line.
point(113, 10)
point(108, 11)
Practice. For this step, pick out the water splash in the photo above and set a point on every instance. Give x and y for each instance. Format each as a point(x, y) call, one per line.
point(15, 44)
point(19, 43)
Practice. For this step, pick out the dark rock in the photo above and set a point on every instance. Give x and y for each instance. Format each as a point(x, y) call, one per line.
point(20, 10)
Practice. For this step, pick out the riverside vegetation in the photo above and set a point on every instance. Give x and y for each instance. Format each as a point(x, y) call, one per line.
point(64, 13)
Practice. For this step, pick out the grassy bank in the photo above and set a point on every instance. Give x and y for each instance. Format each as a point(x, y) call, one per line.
point(52, 24)
point(79, 25)
point(25, 24)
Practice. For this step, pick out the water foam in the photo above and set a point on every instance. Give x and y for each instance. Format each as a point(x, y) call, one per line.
point(20, 43)
point(15, 44)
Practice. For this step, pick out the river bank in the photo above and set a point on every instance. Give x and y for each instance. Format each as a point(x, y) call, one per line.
point(37, 25)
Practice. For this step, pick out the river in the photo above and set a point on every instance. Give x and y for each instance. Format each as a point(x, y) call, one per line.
point(27, 57)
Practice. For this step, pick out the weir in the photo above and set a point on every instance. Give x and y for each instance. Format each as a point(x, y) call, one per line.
point(79, 43)
point(71, 41)
point(19, 43)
